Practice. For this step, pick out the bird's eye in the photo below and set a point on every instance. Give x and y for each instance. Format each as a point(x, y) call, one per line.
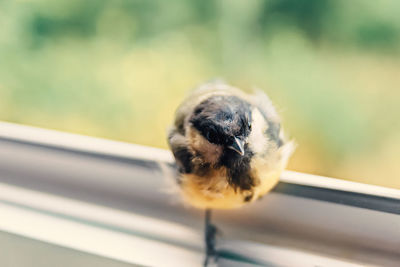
point(212, 136)
point(248, 120)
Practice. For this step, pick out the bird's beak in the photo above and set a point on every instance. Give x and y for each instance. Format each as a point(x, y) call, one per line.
point(238, 146)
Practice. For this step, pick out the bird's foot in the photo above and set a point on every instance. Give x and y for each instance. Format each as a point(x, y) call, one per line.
point(211, 252)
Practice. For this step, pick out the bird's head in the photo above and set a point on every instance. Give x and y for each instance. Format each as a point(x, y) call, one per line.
point(221, 124)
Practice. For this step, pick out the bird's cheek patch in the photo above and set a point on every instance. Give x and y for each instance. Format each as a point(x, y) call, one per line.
point(257, 140)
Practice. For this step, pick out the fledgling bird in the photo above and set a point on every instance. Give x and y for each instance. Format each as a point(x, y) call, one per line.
point(229, 148)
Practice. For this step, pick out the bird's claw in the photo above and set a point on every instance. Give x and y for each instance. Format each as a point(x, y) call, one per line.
point(211, 252)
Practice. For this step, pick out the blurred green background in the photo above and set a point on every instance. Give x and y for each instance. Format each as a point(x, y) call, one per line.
point(118, 69)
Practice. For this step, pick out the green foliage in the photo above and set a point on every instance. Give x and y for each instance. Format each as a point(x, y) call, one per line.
point(118, 69)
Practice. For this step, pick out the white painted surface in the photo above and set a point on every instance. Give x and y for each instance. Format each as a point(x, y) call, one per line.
point(95, 240)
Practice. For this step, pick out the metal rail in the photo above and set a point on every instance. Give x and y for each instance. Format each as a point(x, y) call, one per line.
point(123, 189)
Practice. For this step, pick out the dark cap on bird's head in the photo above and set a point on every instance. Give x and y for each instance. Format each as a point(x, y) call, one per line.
point(223, 120)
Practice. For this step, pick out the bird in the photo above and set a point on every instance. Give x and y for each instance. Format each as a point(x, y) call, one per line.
point(229, 148)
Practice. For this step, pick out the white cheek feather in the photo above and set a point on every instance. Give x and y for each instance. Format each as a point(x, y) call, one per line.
point(257, 139)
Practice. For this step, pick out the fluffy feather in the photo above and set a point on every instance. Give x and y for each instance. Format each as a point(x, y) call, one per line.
point(207, 124)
